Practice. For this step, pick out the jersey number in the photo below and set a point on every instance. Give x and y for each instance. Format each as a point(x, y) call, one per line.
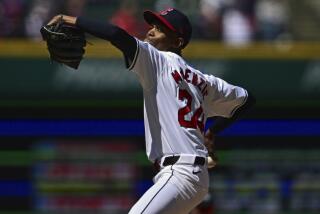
point(197, 117)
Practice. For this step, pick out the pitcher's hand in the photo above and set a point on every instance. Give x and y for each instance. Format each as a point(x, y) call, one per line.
point(209, 139)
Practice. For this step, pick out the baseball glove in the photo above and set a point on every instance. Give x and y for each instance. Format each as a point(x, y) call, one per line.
point(65, 43)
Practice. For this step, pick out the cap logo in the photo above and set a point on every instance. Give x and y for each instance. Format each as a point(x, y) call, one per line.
point(166, 11)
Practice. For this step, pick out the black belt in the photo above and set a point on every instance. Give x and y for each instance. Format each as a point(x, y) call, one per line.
point(173, 159)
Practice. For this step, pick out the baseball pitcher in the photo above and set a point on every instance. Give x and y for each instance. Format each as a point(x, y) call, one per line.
point(178, 99)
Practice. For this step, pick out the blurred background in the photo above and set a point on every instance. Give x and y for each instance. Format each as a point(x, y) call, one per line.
point(72, 141)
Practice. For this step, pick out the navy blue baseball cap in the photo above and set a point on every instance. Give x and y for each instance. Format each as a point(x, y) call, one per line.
point(172, 19)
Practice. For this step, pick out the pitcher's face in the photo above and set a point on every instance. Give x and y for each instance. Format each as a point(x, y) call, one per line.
point(161, 37)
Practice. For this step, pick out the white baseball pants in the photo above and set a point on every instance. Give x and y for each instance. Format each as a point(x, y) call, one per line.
point(177, 189)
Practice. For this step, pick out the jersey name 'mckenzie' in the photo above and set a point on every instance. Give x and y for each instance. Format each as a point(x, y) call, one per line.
point(190, 77)
point(177, 101)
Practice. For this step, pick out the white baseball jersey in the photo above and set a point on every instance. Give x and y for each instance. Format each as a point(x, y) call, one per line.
point(177, 101)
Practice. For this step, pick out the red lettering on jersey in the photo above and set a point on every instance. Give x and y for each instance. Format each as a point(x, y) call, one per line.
point(183, 94)
point(197, 119)
point(186, 75)
point(176, 76)
point(195, 79)
point(200, 84)
point(204, 91)
point(181, 73)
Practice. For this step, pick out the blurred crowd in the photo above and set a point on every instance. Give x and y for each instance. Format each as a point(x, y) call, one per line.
point(231, 21)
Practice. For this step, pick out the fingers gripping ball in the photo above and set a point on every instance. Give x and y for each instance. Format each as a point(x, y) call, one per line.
point(65, 43)
point(212, 160)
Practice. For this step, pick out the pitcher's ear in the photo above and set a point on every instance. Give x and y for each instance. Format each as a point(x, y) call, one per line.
point(178, 44)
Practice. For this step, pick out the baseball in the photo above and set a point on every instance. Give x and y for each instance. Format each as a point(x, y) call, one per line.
point(211, 162)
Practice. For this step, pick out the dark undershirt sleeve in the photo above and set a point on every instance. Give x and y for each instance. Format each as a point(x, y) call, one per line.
point(220, 123)
point(117, 36)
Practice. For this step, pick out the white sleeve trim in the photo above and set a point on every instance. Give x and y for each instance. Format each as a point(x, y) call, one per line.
point(237, 107)
point(135, 56)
